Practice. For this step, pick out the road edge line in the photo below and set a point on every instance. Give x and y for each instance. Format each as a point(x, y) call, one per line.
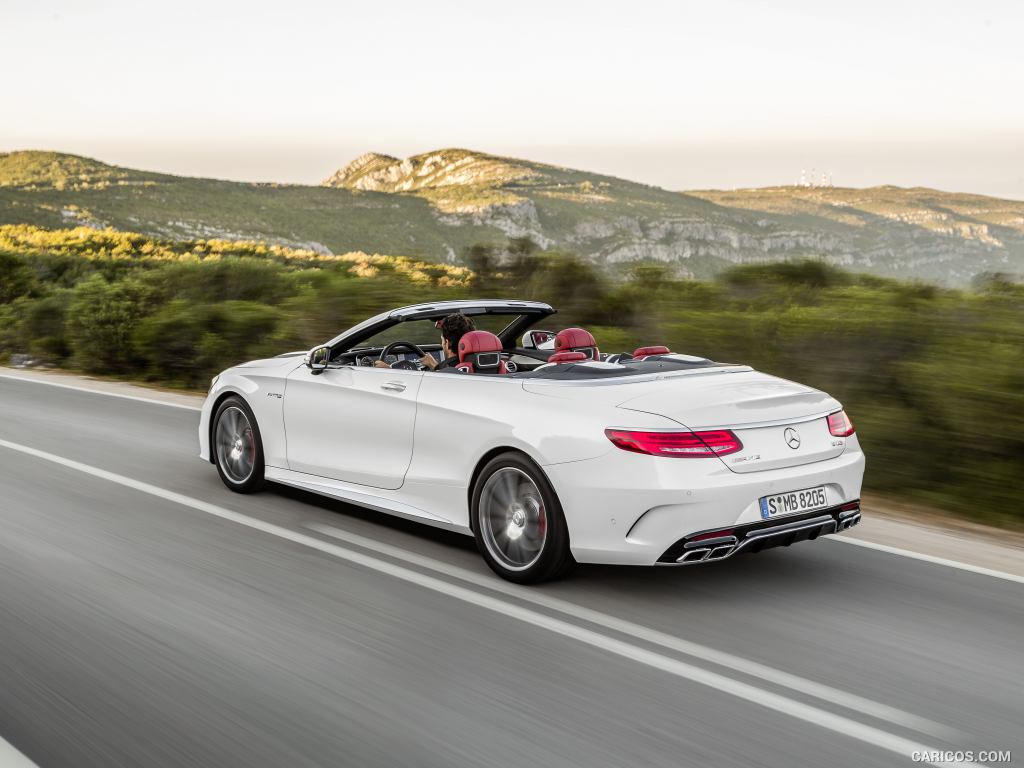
point(90, 390)
point(11, 757)
point(935, 560)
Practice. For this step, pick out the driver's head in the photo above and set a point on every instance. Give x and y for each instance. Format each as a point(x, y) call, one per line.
point(453, 328)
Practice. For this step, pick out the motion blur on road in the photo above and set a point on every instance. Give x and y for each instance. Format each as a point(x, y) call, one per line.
point(149, 617)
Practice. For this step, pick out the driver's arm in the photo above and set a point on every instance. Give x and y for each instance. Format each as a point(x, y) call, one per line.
point(380, 364)
point(429, 361)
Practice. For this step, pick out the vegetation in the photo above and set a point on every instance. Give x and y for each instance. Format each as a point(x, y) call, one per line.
point(933, 378)
point(55, 170)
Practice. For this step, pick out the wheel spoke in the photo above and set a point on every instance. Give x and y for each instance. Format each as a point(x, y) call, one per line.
point(505, 490)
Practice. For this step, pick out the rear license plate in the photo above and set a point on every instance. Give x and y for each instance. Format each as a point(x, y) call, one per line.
point(794, 502)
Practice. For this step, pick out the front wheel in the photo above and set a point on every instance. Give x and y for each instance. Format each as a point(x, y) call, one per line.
point(518, 522)
point(237, 447)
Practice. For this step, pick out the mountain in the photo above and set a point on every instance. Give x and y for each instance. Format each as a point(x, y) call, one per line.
point(449, 170)
point(436, 204)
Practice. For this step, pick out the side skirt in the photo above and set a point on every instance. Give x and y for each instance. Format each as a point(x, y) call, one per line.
point(360, 496)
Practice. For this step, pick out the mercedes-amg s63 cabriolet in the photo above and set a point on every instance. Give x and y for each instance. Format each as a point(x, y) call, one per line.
point(467, 415)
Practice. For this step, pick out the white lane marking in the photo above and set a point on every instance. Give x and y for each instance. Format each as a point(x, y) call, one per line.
point(929, 558)
point(752, 668)
point(764, 698)
point(12, 758)
point(122, 395)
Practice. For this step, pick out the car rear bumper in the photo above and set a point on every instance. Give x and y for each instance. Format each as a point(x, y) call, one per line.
point(631, 509)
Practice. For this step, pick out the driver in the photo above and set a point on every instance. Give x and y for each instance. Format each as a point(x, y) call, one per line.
point(453, 328)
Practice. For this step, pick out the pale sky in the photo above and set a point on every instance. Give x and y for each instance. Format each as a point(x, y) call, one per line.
point(680, 94)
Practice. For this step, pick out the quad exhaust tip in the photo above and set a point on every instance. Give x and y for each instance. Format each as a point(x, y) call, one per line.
point(721, 544)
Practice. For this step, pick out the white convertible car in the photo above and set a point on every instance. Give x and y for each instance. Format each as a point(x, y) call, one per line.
point(544, 449)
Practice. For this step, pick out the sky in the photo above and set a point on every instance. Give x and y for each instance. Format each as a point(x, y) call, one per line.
point(683, 95)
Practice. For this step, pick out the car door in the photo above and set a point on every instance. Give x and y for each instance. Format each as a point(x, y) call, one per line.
point(352, 423)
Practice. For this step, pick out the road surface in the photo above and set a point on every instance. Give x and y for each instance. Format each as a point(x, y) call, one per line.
point(149, 617)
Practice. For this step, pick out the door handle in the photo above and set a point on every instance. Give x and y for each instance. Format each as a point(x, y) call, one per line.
point(393, 386)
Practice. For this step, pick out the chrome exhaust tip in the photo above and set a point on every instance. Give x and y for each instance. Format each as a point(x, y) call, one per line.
point(694, 556)
point(713, 548)
point(847, 523)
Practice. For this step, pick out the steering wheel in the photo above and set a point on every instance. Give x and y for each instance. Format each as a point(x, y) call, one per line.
point(407, 364)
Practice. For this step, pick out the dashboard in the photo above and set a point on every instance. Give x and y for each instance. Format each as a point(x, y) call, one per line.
point(372, 357)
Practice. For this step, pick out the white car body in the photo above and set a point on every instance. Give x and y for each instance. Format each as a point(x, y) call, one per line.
point(410, 443)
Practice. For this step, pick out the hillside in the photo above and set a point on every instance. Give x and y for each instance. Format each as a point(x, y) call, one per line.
point(33, 170)
point(433, 206)
point(969, 217)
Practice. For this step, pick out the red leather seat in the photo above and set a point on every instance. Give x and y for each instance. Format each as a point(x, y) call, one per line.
point(568, 357)
point(577, 340)
point(480, 352)
point(642, 352)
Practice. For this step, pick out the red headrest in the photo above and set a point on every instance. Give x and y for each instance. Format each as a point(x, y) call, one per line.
point(478, 341)
point(567, 357)
point(573, 338)
point(646, 351)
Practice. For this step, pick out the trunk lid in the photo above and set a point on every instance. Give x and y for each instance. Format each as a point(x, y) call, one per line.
point(780, 423)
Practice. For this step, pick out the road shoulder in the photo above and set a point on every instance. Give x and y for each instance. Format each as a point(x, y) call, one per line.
point(105, 386)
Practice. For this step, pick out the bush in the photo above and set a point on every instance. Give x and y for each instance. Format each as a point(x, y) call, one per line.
point(16, 278)
point(244, 279)
point(43, 327)
point(101, 323)
point(186, 344)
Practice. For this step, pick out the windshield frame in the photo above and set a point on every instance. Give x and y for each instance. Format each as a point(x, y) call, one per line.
point(522, 315)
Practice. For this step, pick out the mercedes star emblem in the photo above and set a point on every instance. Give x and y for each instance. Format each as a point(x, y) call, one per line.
point(792, 438)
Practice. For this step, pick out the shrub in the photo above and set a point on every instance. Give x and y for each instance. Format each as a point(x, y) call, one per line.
point(101, 322)
point(186, 344)
point(16, 278)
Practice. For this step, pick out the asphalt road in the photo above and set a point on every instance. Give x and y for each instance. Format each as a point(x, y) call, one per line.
point(149, 617)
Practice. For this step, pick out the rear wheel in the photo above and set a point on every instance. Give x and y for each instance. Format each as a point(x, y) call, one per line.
point(237, 447)
point(518, 522)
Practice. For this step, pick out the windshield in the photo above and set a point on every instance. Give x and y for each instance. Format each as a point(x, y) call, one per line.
point(425, 333)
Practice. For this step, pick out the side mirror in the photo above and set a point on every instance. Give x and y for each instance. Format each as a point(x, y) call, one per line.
point(318, 359)
point(534, 339)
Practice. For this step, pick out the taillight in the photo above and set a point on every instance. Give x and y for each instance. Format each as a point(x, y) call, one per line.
point(839, 424)
point(680, 445)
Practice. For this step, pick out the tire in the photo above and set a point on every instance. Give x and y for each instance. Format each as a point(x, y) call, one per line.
point(518, 523)
point(237, 447)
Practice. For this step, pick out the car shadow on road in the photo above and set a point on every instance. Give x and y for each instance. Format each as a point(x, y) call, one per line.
point(423, 531)
point(806, 568)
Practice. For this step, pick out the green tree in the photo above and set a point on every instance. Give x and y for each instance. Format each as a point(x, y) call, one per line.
point(186, 343)
point(102, 318)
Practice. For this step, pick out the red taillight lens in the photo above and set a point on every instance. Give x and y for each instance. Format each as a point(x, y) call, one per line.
point(679, 445)
point(839, 424)
point(714, 534)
